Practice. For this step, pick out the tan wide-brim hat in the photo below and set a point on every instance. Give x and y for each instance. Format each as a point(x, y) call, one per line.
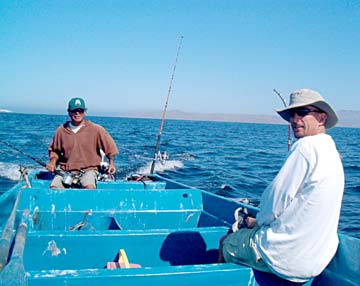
point(304, 97)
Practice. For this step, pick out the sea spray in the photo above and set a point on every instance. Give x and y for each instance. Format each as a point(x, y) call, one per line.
point(169, 165)
point(10, 171)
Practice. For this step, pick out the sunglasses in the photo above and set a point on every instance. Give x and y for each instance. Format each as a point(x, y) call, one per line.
point(79, 110)
point(302, 111)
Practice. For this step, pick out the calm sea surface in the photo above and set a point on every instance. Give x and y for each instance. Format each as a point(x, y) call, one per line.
point(231, 159)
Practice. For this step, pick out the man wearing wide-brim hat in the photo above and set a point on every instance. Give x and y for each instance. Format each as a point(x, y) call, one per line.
point(311, 100)
point(294, 235)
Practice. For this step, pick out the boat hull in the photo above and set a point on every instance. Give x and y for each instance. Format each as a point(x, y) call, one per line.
point(167, 230)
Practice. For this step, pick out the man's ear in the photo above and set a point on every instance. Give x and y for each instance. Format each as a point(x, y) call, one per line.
point(322, 118)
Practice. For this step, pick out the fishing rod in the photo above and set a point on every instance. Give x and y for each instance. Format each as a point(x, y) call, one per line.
point(164, 112)
point(23, 153)
point(289, 126)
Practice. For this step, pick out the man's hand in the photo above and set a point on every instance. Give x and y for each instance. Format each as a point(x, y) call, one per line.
point(112, 169)
point(51, 166)
point(250, 222)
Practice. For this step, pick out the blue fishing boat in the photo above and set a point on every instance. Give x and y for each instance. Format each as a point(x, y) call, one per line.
point(130, 232)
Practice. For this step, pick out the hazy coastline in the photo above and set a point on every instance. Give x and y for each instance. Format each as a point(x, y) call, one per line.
point(347, 118)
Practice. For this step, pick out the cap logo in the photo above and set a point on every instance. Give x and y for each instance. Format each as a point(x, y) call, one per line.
point(77, 102)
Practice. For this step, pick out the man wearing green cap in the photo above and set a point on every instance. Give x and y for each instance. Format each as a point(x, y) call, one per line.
point(76, 148)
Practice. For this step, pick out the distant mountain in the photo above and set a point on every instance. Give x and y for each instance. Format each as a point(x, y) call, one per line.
point(347, 118)
point(181, 115)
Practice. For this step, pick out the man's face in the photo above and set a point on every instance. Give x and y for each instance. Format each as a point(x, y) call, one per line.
point(307, 120)
point(77, 116)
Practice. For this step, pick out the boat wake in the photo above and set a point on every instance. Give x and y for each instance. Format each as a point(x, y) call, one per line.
point(9, 171)
point(169, 165)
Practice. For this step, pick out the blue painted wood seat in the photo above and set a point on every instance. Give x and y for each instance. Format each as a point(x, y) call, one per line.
point(151, 248)
point(160, 252)
point(115, 186)
point(103, 209)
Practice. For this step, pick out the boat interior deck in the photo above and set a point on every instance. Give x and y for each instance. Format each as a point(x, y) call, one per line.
point(168, 231)
point(72, 234)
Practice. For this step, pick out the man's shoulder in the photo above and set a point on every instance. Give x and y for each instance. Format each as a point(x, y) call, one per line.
point(314, 139)
point(92, 125)
point(62, 127)
point(315, 143)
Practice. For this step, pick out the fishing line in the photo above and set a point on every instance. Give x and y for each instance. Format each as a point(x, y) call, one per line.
point(289, 126)
point(23, 153)
point(165, 107)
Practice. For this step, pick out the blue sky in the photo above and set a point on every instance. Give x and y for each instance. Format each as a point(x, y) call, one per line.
point(119, 55)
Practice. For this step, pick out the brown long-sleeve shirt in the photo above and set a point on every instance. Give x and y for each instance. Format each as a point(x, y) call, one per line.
point(81, 150)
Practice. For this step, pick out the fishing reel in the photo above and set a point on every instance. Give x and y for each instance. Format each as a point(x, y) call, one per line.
point(104, 167)
point(162, 157)
point(104, 175)
point(240, 216)
point(138, 178)
point(70, 179)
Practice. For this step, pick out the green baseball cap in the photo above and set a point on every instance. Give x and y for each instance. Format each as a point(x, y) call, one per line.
point(76, 103)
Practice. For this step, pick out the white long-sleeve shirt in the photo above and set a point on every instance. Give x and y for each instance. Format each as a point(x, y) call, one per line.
point(300, 210)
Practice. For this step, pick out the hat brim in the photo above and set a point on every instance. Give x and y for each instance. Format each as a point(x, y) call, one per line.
point(71, 109)
point(332, 116)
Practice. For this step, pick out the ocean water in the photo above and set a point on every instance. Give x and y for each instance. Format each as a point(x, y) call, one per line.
point(235, 160)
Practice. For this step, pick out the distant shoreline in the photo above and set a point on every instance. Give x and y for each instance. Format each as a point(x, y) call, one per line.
point(347, 118)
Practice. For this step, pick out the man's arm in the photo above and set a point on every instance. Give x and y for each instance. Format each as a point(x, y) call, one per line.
point(281, 191)
point(108, 145)
point(112, 168)
point(51, 166)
